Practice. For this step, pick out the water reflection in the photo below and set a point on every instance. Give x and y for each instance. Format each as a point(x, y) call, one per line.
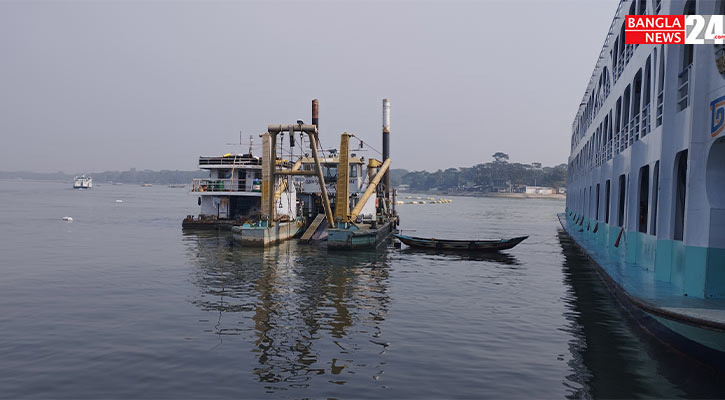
point(494, 257)
point(612, 357)
point(303, 311)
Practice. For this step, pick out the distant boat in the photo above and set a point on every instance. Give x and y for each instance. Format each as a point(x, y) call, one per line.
point(83, 182)
point(146, 185)
point(460, 245)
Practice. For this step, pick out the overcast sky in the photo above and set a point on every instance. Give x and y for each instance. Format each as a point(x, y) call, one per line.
point(91, 86)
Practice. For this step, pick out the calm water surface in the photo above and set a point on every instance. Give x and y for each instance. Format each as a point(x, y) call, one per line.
point(121, 303)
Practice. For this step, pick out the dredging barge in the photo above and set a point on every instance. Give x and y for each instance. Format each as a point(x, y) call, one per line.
point(286, 199)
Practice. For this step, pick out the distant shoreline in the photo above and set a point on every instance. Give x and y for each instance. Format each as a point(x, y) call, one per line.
point(556, 196)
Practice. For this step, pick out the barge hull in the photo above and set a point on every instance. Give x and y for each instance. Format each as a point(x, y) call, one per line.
point(347, 239)
point(256, 236)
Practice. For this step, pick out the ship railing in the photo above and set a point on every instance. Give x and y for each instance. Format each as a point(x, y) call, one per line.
point(614, 74)
point(629, 50)
point(216, 185)
point(660, 107)
point(683, 88)
point(619, 67)
point(634, 132)
point(615, 142)
point(240, 160)
point(645, 120)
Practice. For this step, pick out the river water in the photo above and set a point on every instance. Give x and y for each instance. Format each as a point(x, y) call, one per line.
point(121, 303)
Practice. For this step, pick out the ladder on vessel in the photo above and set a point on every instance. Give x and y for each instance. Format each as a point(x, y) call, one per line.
point(312, 228)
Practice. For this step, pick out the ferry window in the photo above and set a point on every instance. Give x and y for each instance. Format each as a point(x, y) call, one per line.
point(622, 193)
point(353, 171)
point(643, 198)
point(626, 101)
point(660, 87)
point(636, 93)
point(589, 205)
point(646, 89)
point(607, 193)
point(618, 116)
point(655, 196)
point(642, 7)
point(680, 193)
point(597, 203)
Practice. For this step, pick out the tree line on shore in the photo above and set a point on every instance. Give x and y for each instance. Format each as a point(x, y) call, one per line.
point(496, 176)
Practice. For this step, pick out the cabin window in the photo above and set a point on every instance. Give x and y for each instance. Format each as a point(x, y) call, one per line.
point(647, 88)
point(642, 8)
point(655, 196)
point(329, 171)
point(636, 98)
point(680, 193)
point(353, 171)
point(626, 102)
point(607, 193)
point(622, 193)
point(643, 198)
point(597, 209)
point(617, 124)
point(589, 206)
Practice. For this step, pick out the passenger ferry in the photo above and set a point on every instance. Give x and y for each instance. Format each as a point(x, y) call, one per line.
point(645, 180)
point(82, 182)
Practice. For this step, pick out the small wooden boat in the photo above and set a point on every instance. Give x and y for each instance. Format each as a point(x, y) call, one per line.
point(460, 245)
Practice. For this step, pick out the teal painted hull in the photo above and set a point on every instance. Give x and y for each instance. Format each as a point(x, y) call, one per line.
point(631, 265)
point(348, 239)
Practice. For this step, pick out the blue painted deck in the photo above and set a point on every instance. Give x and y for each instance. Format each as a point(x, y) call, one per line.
point(639, 279)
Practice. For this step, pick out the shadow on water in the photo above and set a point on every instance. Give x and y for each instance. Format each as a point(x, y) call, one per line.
point(296, 306)
point(613, 357)
point(497, 257)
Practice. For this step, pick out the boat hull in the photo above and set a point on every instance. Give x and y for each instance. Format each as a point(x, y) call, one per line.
point(348, 239)
point(262, 236)
point(699, 338)
point(461, 245)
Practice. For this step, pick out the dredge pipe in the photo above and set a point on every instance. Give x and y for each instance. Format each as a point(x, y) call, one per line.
point(369, 191)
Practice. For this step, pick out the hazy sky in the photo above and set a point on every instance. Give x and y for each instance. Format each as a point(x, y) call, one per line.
point(90, 86)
